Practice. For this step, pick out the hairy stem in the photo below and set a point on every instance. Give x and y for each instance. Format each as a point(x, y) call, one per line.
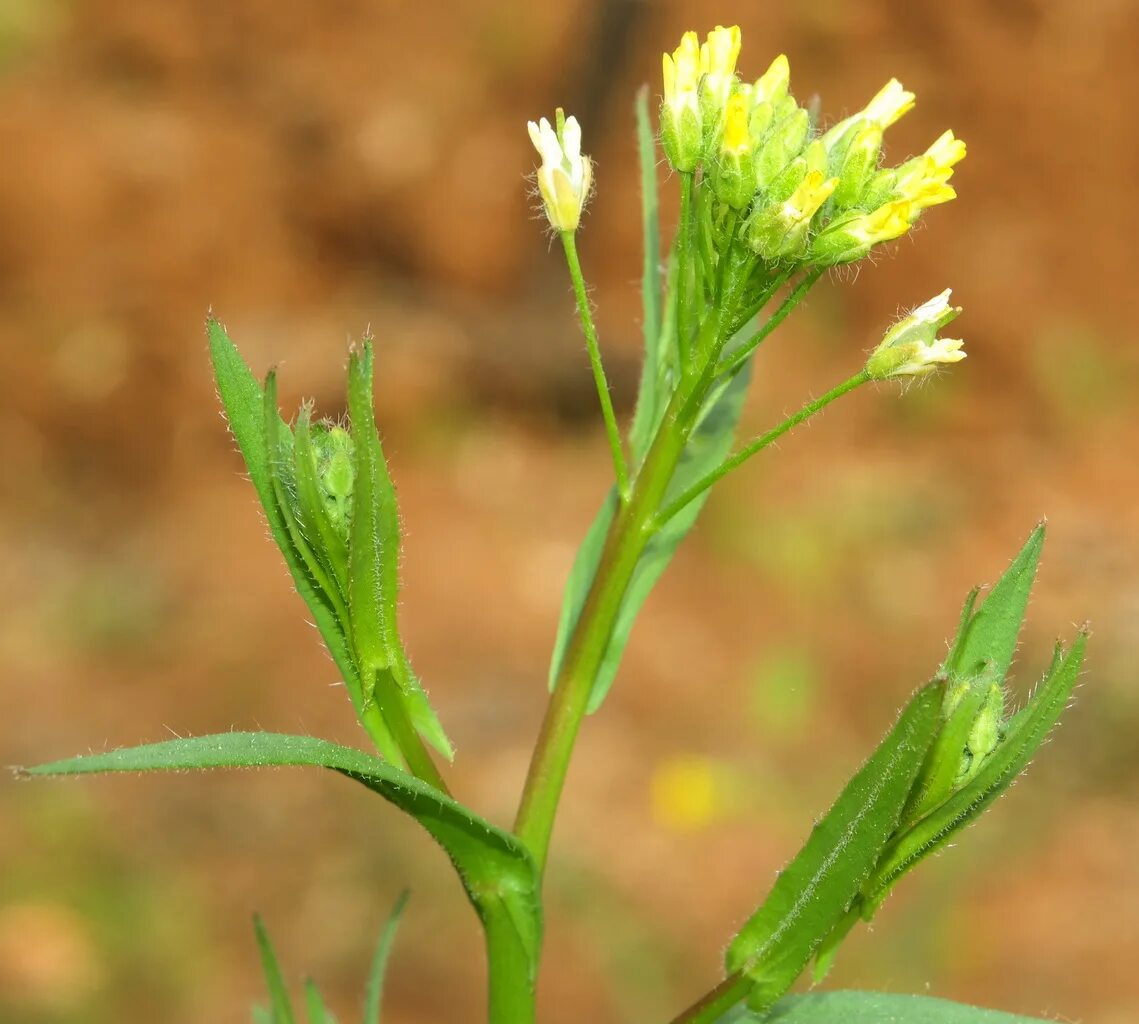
point(758, 445)
point(628, 535)
point(599, 378)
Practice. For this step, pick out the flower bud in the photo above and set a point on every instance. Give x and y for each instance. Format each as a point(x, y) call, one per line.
point(851, 237)
point(911, 347)
point(773, 84)
point(681, 123)
point(718, 73)
point(858, 163)
point(733, 174)
point(779, 231)
point(333, 459)
point(783, 143)
point(889, 104)
point(565, 176)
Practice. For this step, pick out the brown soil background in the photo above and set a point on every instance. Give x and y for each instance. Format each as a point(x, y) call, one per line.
point(309, 169)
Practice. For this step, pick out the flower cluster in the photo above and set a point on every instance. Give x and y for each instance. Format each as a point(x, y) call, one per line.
point(807, 198)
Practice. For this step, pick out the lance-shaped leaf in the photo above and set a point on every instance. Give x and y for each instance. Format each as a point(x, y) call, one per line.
point(659, 343)
point(990, 634)
point(373, 574)
point(280, 1008)
point(872, 1008)
point(815, 890)
point(244, 402)
point(374, 996)
point(494, 866)
point(1024, 733)
point(707, 447)
point(318, 1012)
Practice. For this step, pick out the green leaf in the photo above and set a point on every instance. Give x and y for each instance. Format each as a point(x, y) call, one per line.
point(706, 449)
point(991, 633)
point(318, 1013)
point(873, 1008)
point(494, 867)
point(374, 997)
point(282, 1009)
point(1024, 734)
point(244, 403)
point(814, 891)
point(652, 392)
point(373, 572)
point(262, 1015)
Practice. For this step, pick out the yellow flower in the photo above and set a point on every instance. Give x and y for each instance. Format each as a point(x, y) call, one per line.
point(737, 135)
point(947, 150)
point(780, 231)
point(890, 221)
point(565, 176)
point(889, 104)
point(682, 129)
point(773, 84)
point(718, 70)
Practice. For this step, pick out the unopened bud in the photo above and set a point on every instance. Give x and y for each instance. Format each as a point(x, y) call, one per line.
point(911, 347)
point(565, 175)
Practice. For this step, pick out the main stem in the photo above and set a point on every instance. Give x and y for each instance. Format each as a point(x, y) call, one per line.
point(629, 533)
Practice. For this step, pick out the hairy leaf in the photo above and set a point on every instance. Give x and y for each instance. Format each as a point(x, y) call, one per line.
point(990, 634)
point(373, 572)
point(495, 868)
point(815, 890)
point(244, 403)
point(1025, 732)
point(873, 1008)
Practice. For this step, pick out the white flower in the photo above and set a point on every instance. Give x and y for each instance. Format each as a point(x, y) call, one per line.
point(565, 175)
point(911, 347)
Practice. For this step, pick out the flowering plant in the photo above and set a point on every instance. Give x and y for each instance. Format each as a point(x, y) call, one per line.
point(768, 203)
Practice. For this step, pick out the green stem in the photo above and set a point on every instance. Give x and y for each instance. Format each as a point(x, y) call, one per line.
point(684, 270)
point(394, 715)
point(758, 445)
point(737, 358)
point(628, 535)
point(711, 1007)
point(510, 983)
point(590, 331)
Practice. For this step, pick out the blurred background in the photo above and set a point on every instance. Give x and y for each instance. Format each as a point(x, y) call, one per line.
point(310, 169)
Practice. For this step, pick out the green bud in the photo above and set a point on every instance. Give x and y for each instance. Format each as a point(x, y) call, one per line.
point(783, 143)
point(733, 172)
point(986, 733)
point(333, 455)
point(859, 161)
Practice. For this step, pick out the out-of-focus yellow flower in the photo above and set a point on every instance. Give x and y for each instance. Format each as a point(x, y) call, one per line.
point(565, 176)
point(681, 124)
point(686, 793)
